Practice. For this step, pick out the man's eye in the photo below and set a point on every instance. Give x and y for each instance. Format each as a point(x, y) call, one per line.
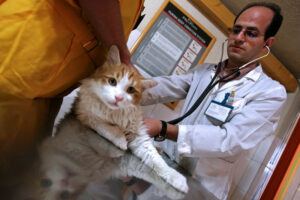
point(130, 90)
point(252, 34)
point(112, 81)
point(236, 30)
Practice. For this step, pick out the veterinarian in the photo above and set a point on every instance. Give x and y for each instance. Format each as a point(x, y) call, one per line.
point(237, 114)
point(47, 46)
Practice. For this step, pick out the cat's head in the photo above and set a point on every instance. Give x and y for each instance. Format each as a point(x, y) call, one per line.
point(116, 84)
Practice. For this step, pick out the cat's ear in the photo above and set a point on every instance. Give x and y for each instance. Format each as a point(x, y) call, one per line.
point(148, 83)
point(113, 56)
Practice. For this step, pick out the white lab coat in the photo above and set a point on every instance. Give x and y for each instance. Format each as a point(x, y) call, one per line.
point(211, 150)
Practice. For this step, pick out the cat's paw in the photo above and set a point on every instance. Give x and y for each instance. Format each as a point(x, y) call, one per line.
point(129, 136)
point(177, 181)
point(121, 143)
point(174, 185)
point(115, 152)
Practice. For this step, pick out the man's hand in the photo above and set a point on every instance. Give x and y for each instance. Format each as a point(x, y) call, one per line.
point(153, 126)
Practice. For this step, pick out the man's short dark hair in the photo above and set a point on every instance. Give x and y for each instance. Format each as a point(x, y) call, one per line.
point(275, 24)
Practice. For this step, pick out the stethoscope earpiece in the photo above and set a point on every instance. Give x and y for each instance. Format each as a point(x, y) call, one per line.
point(268, 47)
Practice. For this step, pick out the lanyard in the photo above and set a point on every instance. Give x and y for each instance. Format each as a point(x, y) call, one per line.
point(214, 81)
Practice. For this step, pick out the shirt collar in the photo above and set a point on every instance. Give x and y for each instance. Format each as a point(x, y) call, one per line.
point(255, 73)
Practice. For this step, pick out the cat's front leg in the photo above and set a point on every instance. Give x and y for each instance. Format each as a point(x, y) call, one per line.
point(133, 166)
point(113, 133)
point(143, 148)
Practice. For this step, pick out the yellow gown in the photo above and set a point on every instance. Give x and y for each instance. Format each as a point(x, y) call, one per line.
point(46, 46)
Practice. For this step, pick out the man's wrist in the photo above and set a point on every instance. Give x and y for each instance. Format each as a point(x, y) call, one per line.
point(163, 132)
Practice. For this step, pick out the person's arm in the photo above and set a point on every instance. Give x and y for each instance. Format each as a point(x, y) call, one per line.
point(105, 17)
point(168, 89)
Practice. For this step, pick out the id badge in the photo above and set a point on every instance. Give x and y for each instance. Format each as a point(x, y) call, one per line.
point(218, 111)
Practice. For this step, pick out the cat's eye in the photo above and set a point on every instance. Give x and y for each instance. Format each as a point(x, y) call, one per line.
point(130, 90)
point(112, 81)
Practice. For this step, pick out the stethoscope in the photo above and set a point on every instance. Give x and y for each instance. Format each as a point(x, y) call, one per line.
point(215, 80)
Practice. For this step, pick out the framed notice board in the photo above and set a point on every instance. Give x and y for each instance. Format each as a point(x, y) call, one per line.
point(173, 42)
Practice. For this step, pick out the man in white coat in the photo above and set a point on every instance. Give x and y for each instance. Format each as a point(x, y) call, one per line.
point(236, 115)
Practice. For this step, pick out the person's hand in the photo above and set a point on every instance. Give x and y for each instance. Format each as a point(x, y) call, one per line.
point(153, 126)
point(125, 56)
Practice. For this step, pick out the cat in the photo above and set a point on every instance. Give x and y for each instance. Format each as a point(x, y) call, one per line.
point(107, 106)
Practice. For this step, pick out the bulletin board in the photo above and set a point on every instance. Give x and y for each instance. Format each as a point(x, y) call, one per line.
point(172, 43)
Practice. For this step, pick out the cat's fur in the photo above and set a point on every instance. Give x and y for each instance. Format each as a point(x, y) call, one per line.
point(108, 105)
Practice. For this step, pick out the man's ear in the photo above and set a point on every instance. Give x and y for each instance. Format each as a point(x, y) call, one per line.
point(113, 56)
point(148, 83)
point(270, 41)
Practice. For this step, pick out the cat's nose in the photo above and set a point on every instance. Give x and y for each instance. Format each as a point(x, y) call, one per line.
point(118, 98)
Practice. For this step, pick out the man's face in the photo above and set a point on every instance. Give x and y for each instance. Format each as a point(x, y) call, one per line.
point(246, 41)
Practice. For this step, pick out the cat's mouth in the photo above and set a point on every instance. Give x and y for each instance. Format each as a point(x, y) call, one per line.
point(113, 104)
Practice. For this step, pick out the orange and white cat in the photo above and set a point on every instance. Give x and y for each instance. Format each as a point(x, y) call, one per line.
point(107, 105)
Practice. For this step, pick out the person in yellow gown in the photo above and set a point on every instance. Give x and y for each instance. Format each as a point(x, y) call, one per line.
point(46, 47)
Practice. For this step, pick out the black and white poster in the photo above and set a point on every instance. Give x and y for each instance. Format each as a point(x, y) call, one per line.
point(173, 44)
